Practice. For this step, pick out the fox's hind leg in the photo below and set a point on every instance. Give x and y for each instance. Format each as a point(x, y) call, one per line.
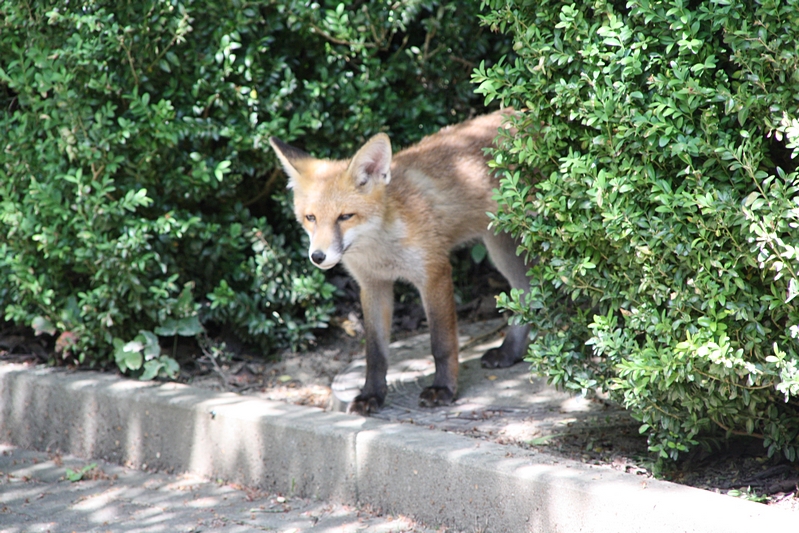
point(502, 249)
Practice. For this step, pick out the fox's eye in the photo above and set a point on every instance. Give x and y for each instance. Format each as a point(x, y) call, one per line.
point(347, 216)
point(310, 218)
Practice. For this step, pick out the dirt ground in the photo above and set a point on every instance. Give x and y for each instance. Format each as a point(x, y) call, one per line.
point(738, 467)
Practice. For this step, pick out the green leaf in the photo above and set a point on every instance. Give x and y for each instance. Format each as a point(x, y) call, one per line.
point(479, 253)
point(151, 346)
point(189, 326)
point(128, 355)
point(42, 325)
point(77, 475)
point(168, 328)
point(151, 369)
point(543, 440)
point(222, 168)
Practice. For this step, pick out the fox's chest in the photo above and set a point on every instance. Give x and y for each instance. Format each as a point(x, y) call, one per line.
point(386, 253)
point(400, 264)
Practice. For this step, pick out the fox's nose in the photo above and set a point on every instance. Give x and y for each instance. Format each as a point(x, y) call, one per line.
point(318, 257)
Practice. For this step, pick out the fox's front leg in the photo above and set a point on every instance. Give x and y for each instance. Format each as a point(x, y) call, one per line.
point(438, 297)
point(377, 301)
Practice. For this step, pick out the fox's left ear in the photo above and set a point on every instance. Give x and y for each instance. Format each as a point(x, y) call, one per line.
point(288, 157)
point(373, 161)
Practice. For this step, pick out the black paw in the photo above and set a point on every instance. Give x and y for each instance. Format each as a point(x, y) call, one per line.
point(435, 396)
point(365, 405)
point(497, 358)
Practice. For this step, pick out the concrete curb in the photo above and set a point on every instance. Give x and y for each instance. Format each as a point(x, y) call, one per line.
point(438, 478)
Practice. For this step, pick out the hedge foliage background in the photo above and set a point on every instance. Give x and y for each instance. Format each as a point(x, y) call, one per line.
point(138, 194)
point(654, 178)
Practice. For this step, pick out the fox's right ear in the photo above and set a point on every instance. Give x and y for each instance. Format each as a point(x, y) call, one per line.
point(288, 156)
point(372, 163)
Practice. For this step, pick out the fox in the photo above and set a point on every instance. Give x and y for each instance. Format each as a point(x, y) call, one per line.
point(387, 217)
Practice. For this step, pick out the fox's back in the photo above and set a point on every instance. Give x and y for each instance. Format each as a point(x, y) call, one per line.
point(442, 186)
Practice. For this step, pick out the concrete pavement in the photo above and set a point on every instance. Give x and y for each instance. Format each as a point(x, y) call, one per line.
point(438, 478)
point(36, 496)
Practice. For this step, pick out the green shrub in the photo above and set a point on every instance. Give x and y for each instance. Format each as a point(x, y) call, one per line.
point(138, 195)
point(653, 178)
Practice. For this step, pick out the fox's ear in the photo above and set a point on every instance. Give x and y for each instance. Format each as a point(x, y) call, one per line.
point(372, 161)
point(288, 157)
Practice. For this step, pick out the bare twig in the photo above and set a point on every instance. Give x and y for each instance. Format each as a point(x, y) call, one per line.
point(737, 431)
point(267, 189)
point(130, 62)
point(480, 338)
point(335, 40)
point(210, 355)
point(175, 38)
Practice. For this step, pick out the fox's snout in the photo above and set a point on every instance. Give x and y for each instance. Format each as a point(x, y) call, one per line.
point(318, 257)
point(329, 240)
point(324, 259)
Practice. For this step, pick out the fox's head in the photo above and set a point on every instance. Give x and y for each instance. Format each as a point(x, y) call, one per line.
point(336, 201)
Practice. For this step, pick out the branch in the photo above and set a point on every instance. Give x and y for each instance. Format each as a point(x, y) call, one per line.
point(737, 431)
point(269, 186)
point(335, 40)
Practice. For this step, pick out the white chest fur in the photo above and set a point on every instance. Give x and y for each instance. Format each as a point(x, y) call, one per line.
point(381, 251)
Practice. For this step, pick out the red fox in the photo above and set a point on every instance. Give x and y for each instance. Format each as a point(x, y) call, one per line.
point(396, 217)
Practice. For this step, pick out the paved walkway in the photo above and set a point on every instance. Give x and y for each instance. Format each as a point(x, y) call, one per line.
point(36, 496)
point(503, 404)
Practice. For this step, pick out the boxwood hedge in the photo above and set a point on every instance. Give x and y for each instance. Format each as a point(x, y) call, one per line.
point(138, 196)
point(654, 178)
